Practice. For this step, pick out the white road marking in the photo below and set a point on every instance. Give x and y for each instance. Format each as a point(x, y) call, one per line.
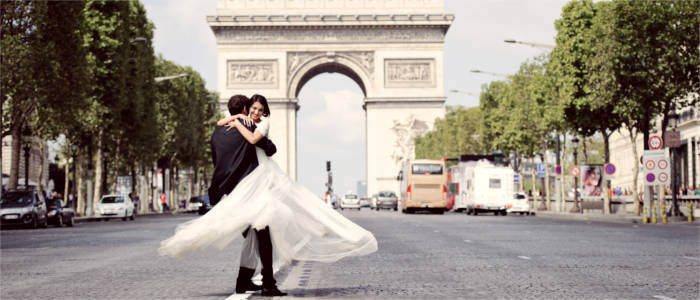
point(693, 258)
point(436, 230)
point(240, 296)
point(467, 241)
point(523, 257)
point(663, 297)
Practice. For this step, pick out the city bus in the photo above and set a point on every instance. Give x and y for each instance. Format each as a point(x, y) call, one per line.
point(423, 186)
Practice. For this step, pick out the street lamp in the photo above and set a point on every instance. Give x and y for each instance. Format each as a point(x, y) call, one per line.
point(138, 39)
point(536, 45)
point(673, 122)
point(26, 135)
point(163, 78)
point(490, 73)
point(467, 93)
point(576, 208)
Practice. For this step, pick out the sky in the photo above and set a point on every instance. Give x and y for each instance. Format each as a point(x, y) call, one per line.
point(332, 103)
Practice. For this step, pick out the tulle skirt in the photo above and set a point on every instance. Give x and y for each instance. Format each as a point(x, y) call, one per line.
point(302, 226)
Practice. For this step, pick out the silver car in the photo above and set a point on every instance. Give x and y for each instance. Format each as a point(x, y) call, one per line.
point(387, 200)
point(115, 206)
point(350, 201)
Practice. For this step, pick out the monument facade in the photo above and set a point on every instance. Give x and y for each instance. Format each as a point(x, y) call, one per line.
point(393, 49)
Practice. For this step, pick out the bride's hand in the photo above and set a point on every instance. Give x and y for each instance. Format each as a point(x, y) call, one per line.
point(232, 124)
point(245, 119)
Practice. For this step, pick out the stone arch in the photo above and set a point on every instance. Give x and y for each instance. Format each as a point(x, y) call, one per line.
point(327, 63)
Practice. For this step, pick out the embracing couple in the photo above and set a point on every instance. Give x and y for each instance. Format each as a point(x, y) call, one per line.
point(279, 219)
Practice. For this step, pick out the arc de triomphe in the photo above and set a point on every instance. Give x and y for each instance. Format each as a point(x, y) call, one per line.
point(391, 48)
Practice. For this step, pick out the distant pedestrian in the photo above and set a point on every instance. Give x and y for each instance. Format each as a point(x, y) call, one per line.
point(164, 201)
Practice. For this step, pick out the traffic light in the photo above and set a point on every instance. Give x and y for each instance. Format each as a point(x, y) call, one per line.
point(328, 165)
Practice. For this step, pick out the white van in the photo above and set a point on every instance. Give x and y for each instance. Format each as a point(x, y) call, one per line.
point(484, 187)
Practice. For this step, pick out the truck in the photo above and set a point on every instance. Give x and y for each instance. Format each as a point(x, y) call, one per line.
point(483, 186)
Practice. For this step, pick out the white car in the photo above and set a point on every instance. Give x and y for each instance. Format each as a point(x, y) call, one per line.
point(115, 206)
point(520, 204)
point(350, 201)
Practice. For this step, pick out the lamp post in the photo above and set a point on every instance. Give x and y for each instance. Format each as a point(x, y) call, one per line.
point(490, 73)
point(163, 78)
point(26, 135)
point(673, 122)
point(576, 208)
point(536, 45)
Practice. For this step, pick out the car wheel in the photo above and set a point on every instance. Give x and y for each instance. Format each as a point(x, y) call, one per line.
point(395, 209)
point(59, 221)
point(106, 219)
point(71, 221)
point(45, 223)
point(504, 212)
point(527, 213)
point(521, 213)
point(35, 222)
point(474, 212)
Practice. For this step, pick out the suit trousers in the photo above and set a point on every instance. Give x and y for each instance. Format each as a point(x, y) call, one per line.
point(249, 260)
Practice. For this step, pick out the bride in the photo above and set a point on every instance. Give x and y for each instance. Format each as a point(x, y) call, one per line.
point(302, 227)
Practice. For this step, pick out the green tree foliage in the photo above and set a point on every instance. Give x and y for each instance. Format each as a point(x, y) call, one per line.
point(456, 134)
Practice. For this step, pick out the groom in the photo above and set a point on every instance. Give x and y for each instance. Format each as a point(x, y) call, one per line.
point(234, 158)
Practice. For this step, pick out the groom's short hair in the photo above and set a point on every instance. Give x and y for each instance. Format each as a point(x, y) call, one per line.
point(236, 104)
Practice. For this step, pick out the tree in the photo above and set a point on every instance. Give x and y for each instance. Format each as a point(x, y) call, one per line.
point(455, 134)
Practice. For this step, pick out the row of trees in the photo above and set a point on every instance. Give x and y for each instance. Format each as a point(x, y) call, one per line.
point(616, 65)
point(86, 71)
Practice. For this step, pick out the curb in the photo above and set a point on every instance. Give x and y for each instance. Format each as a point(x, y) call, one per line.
point(590, 217)
point(96, 219)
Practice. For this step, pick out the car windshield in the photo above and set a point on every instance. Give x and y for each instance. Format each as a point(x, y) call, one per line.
point(350, 196)
point(10, 199)
point(427, 169)
point(387, 194)
point(53, 203)
point(519, 196)
point(108, 200)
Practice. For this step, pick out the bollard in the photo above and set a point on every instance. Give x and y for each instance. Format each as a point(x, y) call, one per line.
point(690, 212)
point(664, 215)
point(644, 218)
point(653, 215)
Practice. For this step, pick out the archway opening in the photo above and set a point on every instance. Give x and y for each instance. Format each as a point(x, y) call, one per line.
point(331, 127)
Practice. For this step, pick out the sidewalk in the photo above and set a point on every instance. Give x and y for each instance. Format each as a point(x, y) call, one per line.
point(150, 214)
point(595, 217)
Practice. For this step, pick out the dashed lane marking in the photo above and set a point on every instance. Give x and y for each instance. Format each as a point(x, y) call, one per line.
point(523, 257)
point(467, 241)
point(693, 258)
point(663, 297)
point(240, 296)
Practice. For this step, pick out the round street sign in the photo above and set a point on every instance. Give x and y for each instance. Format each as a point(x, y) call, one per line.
point(662, 164)
point(655, 142)
point(650, 177)
point(663, 177)
point(557, 169)
point(649, 164)
point(610, 169)
point(575, 171)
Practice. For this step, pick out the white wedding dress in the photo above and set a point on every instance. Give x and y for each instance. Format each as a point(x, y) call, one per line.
point(302, 226)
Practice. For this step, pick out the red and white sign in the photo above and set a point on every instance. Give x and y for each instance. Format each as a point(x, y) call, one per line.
point(655, 142)
point(575, 171)
point(655, 167)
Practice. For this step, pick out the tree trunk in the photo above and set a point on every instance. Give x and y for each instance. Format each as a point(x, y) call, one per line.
point(114, 170)
point(190, 178)
point(66, 183)
point(606, 182)
point(80, 191)
point(42, 150)
point(546, 172)
point(534, 183)
point(14, 159)
point(635, 172)
point(99, 170)
point(585, 151)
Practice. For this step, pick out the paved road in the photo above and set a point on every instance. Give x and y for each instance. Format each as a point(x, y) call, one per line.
point(451, 256)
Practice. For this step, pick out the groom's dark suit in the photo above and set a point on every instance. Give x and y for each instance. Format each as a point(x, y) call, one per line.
point(234, 158)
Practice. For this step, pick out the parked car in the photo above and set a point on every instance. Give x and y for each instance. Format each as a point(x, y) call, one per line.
point(387, 200)
point(26, 208)
point(520, 204)
point(350, 201)
point(194, 204)
point(59, 214)
point(364, 202)
point(206, 205)
point(115, 206)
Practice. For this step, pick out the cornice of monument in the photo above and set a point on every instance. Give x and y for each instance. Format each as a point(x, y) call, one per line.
point(330, 20)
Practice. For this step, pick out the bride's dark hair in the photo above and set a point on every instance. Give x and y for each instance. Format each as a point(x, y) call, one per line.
point(261, 99)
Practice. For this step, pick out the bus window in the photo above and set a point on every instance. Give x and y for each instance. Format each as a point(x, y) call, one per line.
point(494, 183)
point(427, 169)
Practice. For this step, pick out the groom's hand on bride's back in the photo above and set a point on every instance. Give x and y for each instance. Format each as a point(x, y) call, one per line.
point(267, 146)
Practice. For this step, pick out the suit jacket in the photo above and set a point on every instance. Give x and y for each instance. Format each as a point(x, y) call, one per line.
point(234, 158)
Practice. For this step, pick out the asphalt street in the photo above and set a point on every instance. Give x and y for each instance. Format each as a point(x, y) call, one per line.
point(451, 256)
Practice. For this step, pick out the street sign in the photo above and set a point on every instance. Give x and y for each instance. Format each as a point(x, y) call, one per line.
point(655, 142)
point(516, 178)
point(557, 169)
point(609, 170)
point(655, 167)
point(672, 138)
point(540, 170)
point(575, 171)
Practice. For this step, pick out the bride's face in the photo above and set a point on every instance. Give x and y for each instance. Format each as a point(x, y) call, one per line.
point(256, 111)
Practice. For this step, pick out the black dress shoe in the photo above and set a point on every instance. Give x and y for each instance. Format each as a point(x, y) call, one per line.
point(247, 286)
point(272, 291)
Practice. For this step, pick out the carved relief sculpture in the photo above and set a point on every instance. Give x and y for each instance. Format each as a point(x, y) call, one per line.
point(409, 72)
point(364, 59)
point(405, 133)
point(252, 73)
